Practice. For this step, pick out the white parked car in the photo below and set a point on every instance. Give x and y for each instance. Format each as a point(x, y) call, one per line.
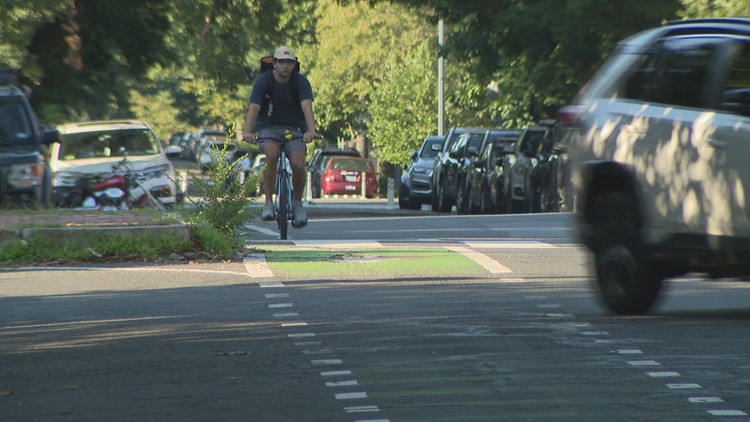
point(90, 149)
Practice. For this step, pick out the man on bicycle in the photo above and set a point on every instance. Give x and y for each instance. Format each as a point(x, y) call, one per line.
point(287, 107)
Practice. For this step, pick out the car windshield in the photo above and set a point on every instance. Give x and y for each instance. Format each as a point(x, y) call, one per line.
point(108, 143)
point(350, 165)
point(15, 127)
point(531, 141)
point(431, 149)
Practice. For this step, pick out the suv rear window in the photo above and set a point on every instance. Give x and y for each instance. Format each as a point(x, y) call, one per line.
point(15, 127)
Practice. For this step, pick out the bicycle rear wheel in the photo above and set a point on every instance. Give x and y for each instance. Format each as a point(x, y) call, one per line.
point(282, 197)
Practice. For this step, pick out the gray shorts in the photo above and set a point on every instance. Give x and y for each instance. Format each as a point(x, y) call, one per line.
point(277, 132)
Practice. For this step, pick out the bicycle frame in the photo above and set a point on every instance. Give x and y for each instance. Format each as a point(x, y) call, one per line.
point(284, 194)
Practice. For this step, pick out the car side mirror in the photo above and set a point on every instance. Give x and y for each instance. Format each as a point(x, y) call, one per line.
point(413, 155)
point(173, 151)
point(50, 136)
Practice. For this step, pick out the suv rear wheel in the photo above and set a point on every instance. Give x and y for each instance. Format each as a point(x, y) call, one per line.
point(627, 284)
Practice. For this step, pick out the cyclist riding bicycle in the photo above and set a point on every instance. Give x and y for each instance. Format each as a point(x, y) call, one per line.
point(288, 106)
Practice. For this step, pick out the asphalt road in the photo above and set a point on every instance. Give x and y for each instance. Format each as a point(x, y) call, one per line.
point(447, 319)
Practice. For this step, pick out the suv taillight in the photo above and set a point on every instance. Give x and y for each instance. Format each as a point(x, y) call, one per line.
point(570, 115)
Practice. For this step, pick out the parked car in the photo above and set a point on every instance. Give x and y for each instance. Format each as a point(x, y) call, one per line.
point(559, 187)
point(317, 164)
point(416, 183)
point(484, 181)
point(516, 164)
point(661, 159)
point(344, 176)
point(538, 197)
point(25, 176)
point(90, 149)
point(445, 168)
point(204, 136)
point(212, 151)
point(465, 151)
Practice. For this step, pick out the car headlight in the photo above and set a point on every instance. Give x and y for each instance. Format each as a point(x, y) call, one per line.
point(64, 178)
point(153, 172)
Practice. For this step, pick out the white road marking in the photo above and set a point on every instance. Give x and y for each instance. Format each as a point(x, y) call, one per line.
point(594, 333)
point(327, 362)
point(335, 373)
point(687, 386)
point(705, 400)
point(256, 266)
point(629, 352)
point(358, 409)
point(301, 335)
point(286, 315)
point(663, 374)
point(727, 412)
point(483, 260)
point(308, 343)
point(643, 363)
point(275, 295)
point(341, 383)
point(350, 396)
point(269, 285)
point(294, 324)
point(280, 305)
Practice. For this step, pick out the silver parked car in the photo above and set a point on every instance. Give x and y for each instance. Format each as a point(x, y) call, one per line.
point(661, 159)
point(90, 149)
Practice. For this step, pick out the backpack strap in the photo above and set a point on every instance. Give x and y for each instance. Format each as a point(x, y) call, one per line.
point(267, 106)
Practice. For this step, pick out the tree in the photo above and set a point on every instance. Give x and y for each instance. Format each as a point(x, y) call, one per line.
point(403, 105)
point(356, 43)
point(714, 8)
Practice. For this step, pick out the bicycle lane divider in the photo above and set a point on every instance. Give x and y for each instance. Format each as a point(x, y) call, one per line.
point(341, 381)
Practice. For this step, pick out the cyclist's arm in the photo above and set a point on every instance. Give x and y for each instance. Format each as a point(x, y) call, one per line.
point(307, 110)
point(252, 115)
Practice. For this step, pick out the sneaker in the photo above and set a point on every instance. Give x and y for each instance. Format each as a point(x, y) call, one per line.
point(267, 213)
point(300, 215)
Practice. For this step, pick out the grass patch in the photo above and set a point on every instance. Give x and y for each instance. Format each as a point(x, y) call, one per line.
point(50, 249)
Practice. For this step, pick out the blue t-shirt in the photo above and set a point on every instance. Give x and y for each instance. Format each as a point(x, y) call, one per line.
point(287, 110)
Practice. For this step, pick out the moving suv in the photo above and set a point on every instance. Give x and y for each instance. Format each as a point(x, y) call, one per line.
point(661, 159)
point(24, 172)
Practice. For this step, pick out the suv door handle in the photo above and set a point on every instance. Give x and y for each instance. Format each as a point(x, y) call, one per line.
point(717, 144)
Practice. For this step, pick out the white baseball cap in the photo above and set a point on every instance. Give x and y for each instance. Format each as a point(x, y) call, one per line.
point(284, 53)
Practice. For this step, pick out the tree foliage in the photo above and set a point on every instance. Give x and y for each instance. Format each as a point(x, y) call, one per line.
point(403, 105)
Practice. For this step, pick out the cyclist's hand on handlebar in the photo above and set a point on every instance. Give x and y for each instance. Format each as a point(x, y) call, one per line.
point(310, 136)
point(250, 137)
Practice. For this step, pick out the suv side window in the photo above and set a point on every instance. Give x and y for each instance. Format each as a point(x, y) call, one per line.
point(676, 72)
point(14, 124)
point(737, 79)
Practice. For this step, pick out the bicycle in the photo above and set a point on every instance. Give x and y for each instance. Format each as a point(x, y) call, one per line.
point(282, 204)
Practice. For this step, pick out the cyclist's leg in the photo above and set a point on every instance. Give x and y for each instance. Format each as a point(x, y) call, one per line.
point(271, 149)
point(296, 151)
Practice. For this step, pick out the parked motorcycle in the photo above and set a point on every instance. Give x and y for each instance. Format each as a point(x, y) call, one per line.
point(122, 190)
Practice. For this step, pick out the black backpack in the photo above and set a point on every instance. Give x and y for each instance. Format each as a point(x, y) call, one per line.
point(266, 66)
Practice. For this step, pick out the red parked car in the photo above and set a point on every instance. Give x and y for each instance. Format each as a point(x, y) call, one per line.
point(343, 176)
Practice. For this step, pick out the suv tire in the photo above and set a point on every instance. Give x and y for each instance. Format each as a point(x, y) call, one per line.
point(627, 284)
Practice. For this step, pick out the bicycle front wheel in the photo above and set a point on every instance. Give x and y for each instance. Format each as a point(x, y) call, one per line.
point(282, 197)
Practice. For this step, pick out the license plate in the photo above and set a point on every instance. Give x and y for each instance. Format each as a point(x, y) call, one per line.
point(350, 178)
point(350, 187)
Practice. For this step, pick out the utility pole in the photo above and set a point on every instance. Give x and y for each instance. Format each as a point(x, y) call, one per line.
point(441, 79)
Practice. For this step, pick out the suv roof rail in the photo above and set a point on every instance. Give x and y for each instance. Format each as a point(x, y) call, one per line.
point(736, 20)
point(8, 76)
